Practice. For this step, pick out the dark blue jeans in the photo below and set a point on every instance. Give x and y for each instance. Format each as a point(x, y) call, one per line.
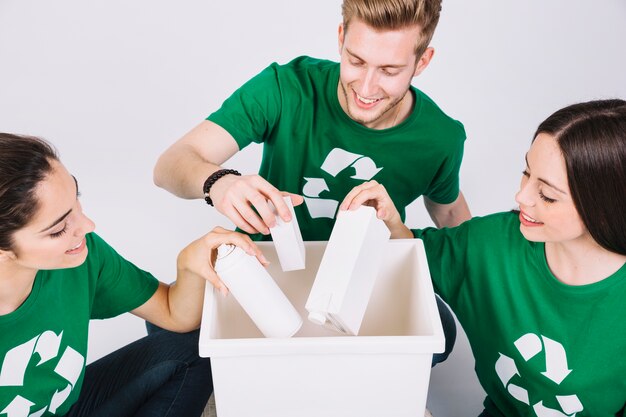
point(156, 376)
point(449, 331)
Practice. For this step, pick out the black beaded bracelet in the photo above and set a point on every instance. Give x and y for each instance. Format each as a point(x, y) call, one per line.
point(212, 179)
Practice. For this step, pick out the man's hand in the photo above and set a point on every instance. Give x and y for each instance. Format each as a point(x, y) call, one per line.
point(245, 201)
point(375, 195)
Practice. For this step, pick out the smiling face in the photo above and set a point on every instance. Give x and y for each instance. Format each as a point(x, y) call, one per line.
point(376, 72)
point(547, 211)
point(55, 236)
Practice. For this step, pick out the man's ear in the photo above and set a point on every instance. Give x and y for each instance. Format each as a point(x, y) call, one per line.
point(424, 60)
point(341, 34)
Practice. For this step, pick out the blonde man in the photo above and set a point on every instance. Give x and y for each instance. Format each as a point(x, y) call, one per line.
point(328, 127)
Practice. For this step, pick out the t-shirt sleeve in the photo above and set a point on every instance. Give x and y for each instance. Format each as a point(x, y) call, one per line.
point(446, 251)
point(119, 286)
point(445, 187)
point(251, 112)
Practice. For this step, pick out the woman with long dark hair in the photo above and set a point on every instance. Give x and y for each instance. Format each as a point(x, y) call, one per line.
point(541, 291)
point(56, 274)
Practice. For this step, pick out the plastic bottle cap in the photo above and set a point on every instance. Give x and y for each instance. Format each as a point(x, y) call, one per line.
point(317, 317)
point(224, 250)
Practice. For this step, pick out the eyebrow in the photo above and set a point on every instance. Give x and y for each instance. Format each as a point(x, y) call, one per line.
point(546, 182)
point(60, 219)
point(382, 66)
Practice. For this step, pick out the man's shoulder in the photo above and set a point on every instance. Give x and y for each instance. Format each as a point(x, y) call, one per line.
point(427, 110)
point(302, 73)
point(305, 65)
point(305, 61)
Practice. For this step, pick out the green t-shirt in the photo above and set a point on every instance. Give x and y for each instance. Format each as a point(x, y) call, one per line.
point(313, 148)
point(43, 346)
point(542, 348)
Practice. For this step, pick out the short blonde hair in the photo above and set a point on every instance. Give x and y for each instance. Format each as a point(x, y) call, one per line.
point(396, 14)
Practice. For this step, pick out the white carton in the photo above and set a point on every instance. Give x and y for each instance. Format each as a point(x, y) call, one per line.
point(288, 240)
point(384, 371)
point(348, 270)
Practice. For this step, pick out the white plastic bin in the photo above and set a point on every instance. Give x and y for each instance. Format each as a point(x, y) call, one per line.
point(382, 372)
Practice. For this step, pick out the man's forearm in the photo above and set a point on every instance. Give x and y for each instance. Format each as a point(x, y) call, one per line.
point(182, 172)
point(448, 215)
point(184, 167)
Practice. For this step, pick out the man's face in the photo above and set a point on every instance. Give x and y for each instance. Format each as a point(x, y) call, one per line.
point(376, 72)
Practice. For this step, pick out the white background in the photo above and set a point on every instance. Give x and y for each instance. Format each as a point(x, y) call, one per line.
point(113, 83)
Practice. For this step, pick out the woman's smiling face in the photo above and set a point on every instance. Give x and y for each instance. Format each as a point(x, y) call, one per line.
point(547, 211)
point(55, 237)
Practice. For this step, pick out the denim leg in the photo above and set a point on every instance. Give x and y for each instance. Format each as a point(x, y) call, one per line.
point(156, 376)
point(449, 331)
point(151, 328)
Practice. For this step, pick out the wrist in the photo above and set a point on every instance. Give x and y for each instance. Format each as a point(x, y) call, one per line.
point(212, 179)
point(399, 230)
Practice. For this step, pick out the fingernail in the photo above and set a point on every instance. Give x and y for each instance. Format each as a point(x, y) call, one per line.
point(224, 291)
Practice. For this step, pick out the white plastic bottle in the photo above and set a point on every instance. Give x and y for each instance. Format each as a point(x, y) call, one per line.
point(257, 292)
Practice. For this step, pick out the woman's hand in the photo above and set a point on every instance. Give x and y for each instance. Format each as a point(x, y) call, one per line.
point(375, 195)
point(199, 256)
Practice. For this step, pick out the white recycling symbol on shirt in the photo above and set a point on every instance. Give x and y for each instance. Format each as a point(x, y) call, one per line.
point(16, 361)
point(557, 370)
point(336, 161)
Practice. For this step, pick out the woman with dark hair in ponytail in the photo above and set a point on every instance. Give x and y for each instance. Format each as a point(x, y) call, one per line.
point(56, 274)
point(541, 291)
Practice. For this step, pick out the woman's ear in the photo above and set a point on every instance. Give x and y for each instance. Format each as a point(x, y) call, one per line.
point(6, 256)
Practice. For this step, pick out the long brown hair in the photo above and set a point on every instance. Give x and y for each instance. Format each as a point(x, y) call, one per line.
point(592, 139)
point(24, 163)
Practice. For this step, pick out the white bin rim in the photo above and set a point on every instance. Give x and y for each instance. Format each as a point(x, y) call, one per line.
point(323, 346)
